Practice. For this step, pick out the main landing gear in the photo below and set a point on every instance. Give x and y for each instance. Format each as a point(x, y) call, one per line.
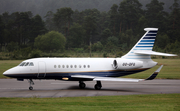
point(97, 86)
point(82, 85)
point(30, 83)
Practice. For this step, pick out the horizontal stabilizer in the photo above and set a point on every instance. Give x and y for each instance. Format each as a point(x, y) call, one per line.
point(153, 53)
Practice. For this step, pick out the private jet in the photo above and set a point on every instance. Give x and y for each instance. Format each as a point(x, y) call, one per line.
point(138, 59)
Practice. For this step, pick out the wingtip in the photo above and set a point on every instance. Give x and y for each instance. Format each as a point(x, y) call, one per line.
point(154, 75)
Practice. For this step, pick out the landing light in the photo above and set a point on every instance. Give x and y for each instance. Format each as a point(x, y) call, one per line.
point(65, 78)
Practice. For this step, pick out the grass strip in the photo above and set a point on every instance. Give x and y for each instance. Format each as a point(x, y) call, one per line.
point(154, 102)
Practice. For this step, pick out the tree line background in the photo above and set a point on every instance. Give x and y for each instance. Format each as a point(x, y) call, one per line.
point(67, 30)
point(41, 7)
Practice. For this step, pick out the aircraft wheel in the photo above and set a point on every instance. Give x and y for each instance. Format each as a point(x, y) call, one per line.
point(30, 88)
point(97, 87)
point(82, 85)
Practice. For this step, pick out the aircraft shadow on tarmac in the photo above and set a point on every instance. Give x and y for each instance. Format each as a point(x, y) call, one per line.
point(76, 88)
point(113, 89)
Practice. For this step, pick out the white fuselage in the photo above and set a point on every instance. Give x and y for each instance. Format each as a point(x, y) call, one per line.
point(59, 68)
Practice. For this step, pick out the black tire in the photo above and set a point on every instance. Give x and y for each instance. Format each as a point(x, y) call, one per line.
point(97, 87)
point(30, 88)
point(82, 85)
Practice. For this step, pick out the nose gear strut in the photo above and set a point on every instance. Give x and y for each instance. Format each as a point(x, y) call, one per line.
point(30, 83)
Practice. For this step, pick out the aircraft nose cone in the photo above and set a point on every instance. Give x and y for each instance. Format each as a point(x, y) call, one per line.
point(10, 73)
point(5, 73)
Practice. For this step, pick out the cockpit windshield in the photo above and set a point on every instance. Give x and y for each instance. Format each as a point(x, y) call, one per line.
point(21, 64)
point(31, 64)
point(26, 64)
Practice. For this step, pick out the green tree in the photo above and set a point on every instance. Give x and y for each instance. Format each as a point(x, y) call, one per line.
point(127, 40)
point(142, 23)
point(114, 16)
point(8, 27)
point(174, 24)
point(105, 34)
point(77, 17)
point(76, 36)
point(25, 27)
point(15, 28)
point(51, 41)
point(6, 17)
point(112, 44)
point(20, 27)
point(49, 21)
point(104, 21)
point(90, 27)
point(90, 24)
point(173, 47)
point(97, 46)
point(12, 46)
point(2, 26)
point(63, 18)
point(37, 28)
point(155, 14)
point(130, 11)
point(175, 15)
point(162, 41)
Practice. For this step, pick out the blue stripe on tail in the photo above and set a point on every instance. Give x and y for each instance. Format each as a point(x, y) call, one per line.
point(146, 43)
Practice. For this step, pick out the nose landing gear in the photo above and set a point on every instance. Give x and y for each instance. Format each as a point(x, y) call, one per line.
point(30, 83)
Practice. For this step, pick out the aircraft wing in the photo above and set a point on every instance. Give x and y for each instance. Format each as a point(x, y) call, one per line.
point(95, 78)
point(153, 53)
point(116, 79)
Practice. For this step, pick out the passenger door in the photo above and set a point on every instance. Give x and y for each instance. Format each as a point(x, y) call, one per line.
point(41, 70)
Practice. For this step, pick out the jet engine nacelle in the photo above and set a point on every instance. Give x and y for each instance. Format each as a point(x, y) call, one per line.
point(126, 64)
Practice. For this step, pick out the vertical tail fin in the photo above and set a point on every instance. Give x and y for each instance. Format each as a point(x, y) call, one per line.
point(146, 43)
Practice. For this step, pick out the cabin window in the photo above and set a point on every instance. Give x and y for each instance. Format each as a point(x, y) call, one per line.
point(84, 66)
point(79, 66)
point(59, 66)
point(88, 66)
point(63, 66)
point(54, 66)
point(67, 66)
point(75, 66)
point(71, 66)
point(31, 64)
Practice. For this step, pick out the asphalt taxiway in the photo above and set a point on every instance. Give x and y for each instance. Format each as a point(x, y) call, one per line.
point(56, 88)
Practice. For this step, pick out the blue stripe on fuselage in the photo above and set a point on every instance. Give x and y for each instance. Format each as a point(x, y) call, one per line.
point(115, 73)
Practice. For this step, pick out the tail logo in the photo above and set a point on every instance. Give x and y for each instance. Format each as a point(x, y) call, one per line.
point(147, 41)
